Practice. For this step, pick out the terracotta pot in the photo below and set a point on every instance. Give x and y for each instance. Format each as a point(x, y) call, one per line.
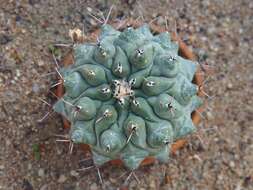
point(183, 51)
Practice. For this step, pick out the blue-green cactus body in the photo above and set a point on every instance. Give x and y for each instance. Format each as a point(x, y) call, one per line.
point(129, 96)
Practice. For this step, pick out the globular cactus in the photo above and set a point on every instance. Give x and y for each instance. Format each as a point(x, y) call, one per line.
point(129, 96)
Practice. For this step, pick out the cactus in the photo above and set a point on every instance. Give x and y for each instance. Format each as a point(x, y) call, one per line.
point(129, 96)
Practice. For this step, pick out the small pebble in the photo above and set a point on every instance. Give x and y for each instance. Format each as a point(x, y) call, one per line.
point(209, 115)
point(89, 9)
point(74, 173)
point(62, 179)
point(41, 172)
point(44, 187)
point(93, 186)
point(152, 184)
point(8, 142)
point(232, 164)
point(35, 87)
point(40, 63)
point(230, 86)
point(220, 177)
point(18, 73)
point(29, 166)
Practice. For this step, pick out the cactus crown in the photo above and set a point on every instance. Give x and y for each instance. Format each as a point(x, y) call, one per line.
point(129, 96)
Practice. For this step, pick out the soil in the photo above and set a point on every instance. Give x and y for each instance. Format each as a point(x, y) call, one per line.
point(218, 156)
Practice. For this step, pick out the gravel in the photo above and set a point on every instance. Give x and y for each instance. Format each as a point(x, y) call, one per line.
point(219, 156)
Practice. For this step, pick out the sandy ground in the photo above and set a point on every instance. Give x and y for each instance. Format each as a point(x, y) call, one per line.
point(219, 156)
